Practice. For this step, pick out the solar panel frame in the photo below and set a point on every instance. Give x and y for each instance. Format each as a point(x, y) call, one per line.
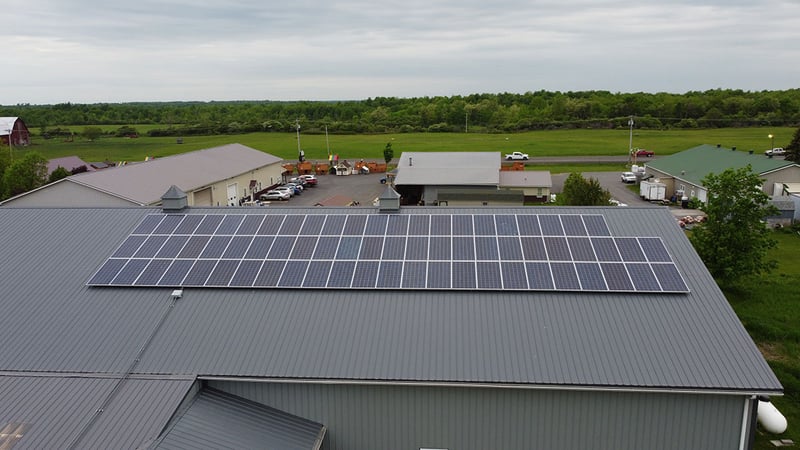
point(151, 246)
point(153, 272)
point(439, 275)
point(176, 272)
point(464, 275)
point(551, 225)
point(506, 225)
point(514, 275)
point(148, 224)
point(172, 246)
point(317, 273)
point(189, 224)
point(440, 248)
point(209, 224)
point(371, 247)
point(168, 224)
point(108, 271)
point(230, 223)
point(199, 272)
point(573, 225)
point(414, 251)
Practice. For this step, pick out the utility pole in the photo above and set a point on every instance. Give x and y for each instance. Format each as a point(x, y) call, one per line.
point(630, 141)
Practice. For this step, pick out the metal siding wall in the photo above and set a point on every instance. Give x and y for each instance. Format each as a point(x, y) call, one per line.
point(408, 417)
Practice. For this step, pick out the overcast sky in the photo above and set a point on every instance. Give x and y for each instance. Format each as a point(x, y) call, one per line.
point(89, 51)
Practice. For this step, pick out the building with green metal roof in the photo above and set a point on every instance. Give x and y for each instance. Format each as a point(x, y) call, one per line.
point(683, 172)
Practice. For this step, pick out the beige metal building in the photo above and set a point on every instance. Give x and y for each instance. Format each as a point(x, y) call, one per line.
point(219, 176)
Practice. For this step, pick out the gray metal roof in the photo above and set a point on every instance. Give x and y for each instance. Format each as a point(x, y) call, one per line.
point(145, 182)
point(448, 168)
point(219, 420)
point(60, 410)
point(53, 322)
point(526, 178)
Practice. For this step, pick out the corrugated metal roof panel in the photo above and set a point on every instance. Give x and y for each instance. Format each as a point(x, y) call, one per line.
point(448, 168)
point(145, 182)
point(54, 322)
point(695, 163)
point(58, 408)
point(219, 420)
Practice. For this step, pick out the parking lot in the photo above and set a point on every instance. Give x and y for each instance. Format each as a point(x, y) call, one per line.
point(365, 188)
point(357, 188)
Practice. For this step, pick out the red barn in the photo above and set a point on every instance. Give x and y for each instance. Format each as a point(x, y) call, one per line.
point(14, 130)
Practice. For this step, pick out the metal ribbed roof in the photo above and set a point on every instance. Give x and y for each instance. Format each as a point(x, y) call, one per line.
point(53, 322)
point(448, 168)
point(59, 411)
point(145, 182)
point(219, 420)
point(695, 163)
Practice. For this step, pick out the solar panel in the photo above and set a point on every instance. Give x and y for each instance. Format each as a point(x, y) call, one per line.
point(317, 274)
point(573, 225)
point(551, 225)
point(366, 251)
point(438, 275)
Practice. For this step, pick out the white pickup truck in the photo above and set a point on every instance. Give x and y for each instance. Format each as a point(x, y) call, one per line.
point(516, 156)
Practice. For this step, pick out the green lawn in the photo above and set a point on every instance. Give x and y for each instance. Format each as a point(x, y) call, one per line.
point(581, 142)
point(769, 307)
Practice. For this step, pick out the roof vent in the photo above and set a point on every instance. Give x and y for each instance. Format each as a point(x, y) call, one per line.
point(174, 199)
point(750, 152)
point(733, 149)
point(410, 161)
point(176, 294)
point(389, 200)
point(719, 145)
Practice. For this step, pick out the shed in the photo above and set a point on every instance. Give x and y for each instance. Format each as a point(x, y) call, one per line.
point(13, 131)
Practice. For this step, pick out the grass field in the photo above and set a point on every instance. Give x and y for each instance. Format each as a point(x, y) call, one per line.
point(769, 307)
point(582, 142)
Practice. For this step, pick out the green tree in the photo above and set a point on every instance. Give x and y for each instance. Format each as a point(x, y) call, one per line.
point(388, 153)
point(793, 149)
point(92, 133)
point(578, 191)
point(733, 242)
point(24, 174)
point(58, 174)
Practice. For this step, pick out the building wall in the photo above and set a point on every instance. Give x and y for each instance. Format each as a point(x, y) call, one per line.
point(462, 418)
point(787, 175)
point(266, 176)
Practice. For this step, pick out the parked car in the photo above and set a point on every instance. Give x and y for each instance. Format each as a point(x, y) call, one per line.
point(275, 195)
point(628, 177)
point(778, 151)
point(311, 180)
point(298, 188)
point(517, 156)
point(645, 153)
point(298, 180)
point(287, 189)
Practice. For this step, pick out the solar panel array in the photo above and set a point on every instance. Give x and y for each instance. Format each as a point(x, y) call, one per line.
point(540, 252)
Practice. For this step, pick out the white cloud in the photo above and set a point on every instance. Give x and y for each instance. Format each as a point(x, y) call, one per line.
point(91, 51)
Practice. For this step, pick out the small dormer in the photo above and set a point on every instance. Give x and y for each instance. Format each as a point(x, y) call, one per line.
point(389, 200)
point(174, 200)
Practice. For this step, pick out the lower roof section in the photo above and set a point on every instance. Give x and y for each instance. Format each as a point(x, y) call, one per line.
point(219, 420)
point(87, 412)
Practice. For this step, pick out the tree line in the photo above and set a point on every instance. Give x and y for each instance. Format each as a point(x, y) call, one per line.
point(504, 112)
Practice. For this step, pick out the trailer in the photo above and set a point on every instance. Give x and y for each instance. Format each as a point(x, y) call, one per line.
point(653, 190)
